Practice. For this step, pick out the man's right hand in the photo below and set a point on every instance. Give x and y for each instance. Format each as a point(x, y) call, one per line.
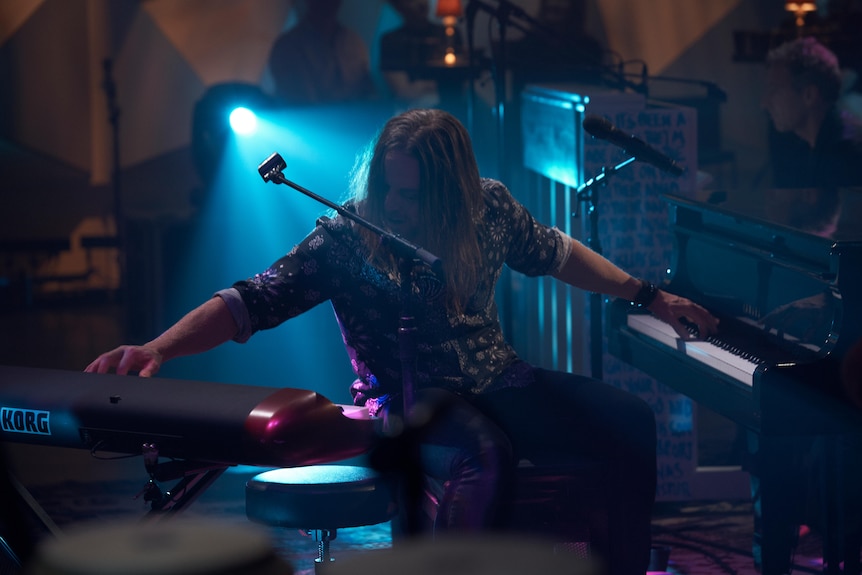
point(128, 358)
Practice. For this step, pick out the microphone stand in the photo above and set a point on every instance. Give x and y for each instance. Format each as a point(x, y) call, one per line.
point(401, 450)
point(588, 193)
point(408, 255)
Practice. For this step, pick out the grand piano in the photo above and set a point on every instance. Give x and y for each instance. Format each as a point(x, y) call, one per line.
point(783, 272)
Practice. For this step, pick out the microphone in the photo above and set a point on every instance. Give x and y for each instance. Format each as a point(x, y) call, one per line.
point(271, 167)
point(601, 128)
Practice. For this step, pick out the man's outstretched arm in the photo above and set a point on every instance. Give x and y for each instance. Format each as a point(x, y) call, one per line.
point(205, 327)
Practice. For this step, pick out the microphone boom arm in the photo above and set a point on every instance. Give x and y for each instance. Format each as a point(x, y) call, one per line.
point(271, 171)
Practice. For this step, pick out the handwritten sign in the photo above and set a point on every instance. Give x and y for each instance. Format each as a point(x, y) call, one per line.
point(634, 234)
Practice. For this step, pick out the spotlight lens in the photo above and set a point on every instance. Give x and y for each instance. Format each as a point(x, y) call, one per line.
point(243, 121)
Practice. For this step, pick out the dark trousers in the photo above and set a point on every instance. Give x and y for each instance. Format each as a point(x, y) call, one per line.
point(474, 444)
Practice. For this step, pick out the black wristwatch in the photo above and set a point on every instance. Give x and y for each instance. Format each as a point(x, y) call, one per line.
point(646, 295)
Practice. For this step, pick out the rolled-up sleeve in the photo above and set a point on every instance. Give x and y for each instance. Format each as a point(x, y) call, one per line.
point(532, 247)
point(237, 309)
point(298, 281)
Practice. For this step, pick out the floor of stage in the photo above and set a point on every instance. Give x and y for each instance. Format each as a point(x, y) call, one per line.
point(704, 537)
point(73, 488)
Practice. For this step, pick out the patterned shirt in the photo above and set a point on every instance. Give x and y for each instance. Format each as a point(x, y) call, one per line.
point(465, 353)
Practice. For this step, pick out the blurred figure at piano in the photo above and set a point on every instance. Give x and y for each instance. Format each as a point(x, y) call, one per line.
point(811, 210)
point(319, 60)
point(818, 144)
point(420, 180)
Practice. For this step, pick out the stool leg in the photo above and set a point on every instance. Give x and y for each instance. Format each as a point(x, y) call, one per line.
point(325, 536)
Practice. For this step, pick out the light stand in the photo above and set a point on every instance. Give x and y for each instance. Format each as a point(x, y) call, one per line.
point(508, 14)
point(110, 88)
point(503, 14)
point(449, 11)
point(588, 193)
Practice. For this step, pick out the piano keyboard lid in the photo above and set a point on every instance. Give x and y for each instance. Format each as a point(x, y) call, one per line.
point(785, 265)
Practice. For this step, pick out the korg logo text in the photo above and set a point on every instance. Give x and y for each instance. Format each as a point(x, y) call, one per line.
point(26, 421)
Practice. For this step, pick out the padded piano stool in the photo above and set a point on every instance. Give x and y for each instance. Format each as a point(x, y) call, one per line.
point(563, 503)
point(319, 498)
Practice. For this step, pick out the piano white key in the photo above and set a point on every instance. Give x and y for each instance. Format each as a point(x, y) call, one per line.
point(724, 361)
point(737, 367)
point(655, 328)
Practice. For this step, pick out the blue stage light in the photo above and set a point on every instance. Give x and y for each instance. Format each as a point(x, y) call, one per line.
point(243, 121)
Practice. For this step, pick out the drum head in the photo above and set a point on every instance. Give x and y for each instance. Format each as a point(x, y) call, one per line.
point(465, 555)
point(168, 547)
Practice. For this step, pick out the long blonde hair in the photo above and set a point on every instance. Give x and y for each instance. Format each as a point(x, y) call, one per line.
point(450, 192)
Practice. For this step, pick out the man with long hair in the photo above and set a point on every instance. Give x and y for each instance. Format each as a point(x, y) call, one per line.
point(421, 181)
